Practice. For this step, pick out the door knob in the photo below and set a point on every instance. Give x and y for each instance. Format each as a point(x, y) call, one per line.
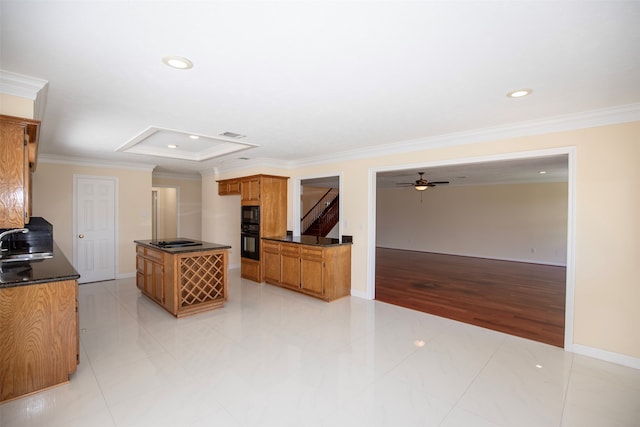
point(81, 236)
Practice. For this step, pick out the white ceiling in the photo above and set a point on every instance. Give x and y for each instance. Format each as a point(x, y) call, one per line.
point(312, 80)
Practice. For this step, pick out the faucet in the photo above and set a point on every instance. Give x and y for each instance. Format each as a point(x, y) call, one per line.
point(8, 232)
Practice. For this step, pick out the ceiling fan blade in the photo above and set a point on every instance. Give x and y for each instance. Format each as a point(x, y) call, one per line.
point(438, 182)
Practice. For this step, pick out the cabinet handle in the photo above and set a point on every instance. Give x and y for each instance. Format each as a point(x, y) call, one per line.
point(80, 236)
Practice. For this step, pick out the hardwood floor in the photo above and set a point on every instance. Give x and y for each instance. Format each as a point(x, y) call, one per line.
point(522, 299)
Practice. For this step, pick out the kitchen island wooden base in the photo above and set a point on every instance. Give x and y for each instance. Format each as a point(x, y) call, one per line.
point(183, 283)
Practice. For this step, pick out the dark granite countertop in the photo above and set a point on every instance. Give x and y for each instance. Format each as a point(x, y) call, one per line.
point(199, 246)
point(310, 240)
point(54, 269)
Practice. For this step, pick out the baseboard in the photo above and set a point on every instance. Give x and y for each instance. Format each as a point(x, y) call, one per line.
point(359, 294)
point(473, 255)
point(608, 356)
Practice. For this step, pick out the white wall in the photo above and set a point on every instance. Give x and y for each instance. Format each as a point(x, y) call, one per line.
point(518, 222)
point(189, 198)
point(607, 220)
point(53, 200)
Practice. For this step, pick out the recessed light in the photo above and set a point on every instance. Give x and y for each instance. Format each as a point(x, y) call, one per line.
point(519, 93)
point(172, 146)
point(177, 62)
point(194, 137)
point(542, 172)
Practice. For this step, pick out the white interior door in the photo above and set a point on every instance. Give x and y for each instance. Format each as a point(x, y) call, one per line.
point(94, 243)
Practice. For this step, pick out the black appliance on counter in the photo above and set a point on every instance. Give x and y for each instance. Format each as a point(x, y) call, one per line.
point(39, 239)
point(250, 232)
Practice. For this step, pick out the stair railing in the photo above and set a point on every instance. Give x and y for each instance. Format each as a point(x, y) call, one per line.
point(316, 211)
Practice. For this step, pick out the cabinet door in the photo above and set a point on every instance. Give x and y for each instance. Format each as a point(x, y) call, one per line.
point(148, 277)
point(250, 190)
point(228, 187)
point(140, 267)
point(250, 269)
point(290, 265)
point(271, 259)
point(39, 336)
point(157, 282)
point(312, 270)
point(12, 175)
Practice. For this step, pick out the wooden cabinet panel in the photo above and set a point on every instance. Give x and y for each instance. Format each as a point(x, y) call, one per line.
point(312, 275)
point(250, 190)
point(16, 136)
point(271, 261)
point(157, 280)
point(150, 273)
point(270, 193)
point(183, 283)
point(290, 264)
point(12, 176)
point(320, 271)
point(250, 269)
point(38, 337)
point(228, 187)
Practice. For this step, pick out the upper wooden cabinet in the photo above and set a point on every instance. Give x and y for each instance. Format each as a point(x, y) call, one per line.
point(256, 190)
point(270, 193)
point(250, 190)
point(18, 152)
point(229, 187)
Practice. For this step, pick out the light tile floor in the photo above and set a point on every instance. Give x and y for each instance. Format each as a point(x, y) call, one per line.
point(272, 357)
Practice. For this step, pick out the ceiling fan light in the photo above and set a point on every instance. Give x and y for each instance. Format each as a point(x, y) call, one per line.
point(421, 187)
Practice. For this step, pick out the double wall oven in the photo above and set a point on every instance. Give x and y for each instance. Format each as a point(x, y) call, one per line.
point(250, 233)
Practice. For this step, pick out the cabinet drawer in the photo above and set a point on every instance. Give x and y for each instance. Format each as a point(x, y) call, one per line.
point(291, 250)
point(268, 246)
point(140, 250)
point(311, 252)
point(153, 255)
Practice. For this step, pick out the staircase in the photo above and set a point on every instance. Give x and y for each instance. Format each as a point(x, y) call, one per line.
point(323, 216)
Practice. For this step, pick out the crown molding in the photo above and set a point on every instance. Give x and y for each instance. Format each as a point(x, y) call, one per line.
point(83, 161)
point(593, 118)
point(20, 85)
point(185, 176)
point(26, 87)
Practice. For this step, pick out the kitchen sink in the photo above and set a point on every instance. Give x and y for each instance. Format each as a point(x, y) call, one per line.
point(175, 243)
point(25, 257)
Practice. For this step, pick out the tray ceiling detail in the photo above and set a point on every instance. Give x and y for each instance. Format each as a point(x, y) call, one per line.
point(175, 144)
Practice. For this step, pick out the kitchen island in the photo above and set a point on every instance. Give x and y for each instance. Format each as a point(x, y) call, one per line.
point(39, 343)
point(183, 276)
point(316, 266)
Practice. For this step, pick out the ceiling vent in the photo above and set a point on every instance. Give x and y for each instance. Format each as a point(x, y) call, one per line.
point(232, 135)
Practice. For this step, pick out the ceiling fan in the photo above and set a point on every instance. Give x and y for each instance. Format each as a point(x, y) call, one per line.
point(421, 184)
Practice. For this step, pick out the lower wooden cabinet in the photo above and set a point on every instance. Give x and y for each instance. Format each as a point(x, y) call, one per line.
point(150, 273)
point(250, 269)
point(39, 341)
point(320, 271)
